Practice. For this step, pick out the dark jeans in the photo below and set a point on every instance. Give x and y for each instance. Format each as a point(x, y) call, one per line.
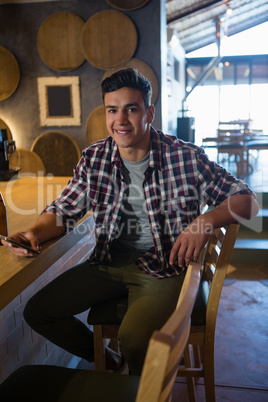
point(51, 312)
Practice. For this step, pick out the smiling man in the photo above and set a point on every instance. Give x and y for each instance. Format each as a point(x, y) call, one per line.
point(144, 189)
point(128, 122)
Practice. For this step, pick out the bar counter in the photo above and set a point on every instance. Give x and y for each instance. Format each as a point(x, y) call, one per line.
point(25, 198)
point(20, 278)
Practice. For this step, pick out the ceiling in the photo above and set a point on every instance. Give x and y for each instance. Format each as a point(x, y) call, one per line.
point(195, 20)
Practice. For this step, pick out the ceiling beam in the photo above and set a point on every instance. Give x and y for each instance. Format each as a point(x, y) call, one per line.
point(195, 8)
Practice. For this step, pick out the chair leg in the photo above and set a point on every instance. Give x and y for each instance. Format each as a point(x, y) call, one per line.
point(197, 358)
point(190, 380)
point(99, 348)
point(209, 374)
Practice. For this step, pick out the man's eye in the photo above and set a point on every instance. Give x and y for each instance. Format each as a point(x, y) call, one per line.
point(132, 109)
point(111, 110)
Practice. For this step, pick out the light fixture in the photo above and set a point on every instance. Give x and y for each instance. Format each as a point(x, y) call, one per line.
point(174, 41)
point(172, 38)
point(229, 11)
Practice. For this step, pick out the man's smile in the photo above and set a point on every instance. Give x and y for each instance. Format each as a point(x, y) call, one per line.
point(122, 132)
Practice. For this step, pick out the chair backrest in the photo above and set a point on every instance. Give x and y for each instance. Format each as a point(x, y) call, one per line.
point(215, 264)
point(167, 345)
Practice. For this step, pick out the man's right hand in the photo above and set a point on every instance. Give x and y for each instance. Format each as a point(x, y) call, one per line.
point(28, 238)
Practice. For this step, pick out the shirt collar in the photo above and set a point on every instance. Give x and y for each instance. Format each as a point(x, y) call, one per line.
point(115, 153)
point(155, 154)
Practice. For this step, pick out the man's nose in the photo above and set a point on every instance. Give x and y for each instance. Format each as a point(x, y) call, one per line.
point(122, 117)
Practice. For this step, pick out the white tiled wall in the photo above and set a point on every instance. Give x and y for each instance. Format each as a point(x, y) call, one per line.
point(19, 344)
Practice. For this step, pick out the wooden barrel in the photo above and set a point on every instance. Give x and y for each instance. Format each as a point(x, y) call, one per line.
point(58, 151)
point(109, 38)
point(9, 73)
point(3, 125)
point(58, 41)
point(27, 161)
point(144, 69)
point(131, 4)
point(96, 125)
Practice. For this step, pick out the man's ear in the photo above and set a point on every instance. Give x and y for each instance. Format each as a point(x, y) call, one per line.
point(150, 114)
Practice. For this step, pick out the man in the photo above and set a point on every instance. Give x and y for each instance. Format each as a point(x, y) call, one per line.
point(145, 190)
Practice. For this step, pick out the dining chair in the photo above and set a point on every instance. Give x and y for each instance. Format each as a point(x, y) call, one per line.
point(233, 144)
point(106, 317)
point(59, 384)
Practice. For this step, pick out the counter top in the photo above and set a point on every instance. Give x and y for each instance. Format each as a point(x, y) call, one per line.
point(25, 199)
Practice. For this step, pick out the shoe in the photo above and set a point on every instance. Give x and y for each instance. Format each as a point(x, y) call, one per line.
point(121, 368)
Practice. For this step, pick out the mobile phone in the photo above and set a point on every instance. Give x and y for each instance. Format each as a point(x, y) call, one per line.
point(17, 244)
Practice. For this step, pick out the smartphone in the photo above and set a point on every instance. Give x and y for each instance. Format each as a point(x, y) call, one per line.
point(17, 244)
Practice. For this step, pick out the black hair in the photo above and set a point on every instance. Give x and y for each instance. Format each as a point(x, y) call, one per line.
point(129, 78)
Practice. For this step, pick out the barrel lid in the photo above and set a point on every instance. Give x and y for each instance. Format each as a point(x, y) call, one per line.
point(9, 73)
point(127, 5)
point(58, 41)
point(109, 38)
point(96, 125)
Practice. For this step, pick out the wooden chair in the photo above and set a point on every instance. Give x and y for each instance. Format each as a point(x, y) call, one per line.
point(201, 339)
point(52, 383)
point(233, 144)
point(255, 144)
point(106, 317)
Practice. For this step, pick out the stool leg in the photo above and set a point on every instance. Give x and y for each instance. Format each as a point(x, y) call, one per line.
point(99, 348)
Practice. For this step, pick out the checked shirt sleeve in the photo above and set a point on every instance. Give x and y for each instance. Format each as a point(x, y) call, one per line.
point(73, 203)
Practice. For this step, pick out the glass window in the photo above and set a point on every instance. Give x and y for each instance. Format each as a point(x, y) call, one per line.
point(258, 107)
point(228, 72)
point(234, 102)
point(243, 73)
point(259, 72)
point(203, 104)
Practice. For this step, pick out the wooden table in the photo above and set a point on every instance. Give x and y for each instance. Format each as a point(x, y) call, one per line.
point(25, 199)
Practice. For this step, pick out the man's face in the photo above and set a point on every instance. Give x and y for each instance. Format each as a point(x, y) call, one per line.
point(128, 122)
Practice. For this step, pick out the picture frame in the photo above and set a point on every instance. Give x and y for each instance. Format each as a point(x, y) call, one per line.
point(59, 101)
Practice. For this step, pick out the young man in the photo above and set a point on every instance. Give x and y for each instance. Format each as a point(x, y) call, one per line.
point(145, 190)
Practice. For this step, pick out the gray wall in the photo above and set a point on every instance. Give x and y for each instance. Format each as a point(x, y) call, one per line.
point(19, 25)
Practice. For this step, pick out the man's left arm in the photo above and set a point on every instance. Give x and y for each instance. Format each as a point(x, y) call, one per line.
point(192, 240)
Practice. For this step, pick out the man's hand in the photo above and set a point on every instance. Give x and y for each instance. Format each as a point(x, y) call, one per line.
point(191, 242)
point(28, 238)
point(47, 227)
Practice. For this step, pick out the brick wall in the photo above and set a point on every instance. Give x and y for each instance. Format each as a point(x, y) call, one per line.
point(19, 344)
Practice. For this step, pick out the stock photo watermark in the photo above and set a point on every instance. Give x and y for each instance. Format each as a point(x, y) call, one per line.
point(177, 209)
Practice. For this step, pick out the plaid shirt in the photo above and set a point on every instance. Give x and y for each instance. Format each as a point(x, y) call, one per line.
point(178, 179)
